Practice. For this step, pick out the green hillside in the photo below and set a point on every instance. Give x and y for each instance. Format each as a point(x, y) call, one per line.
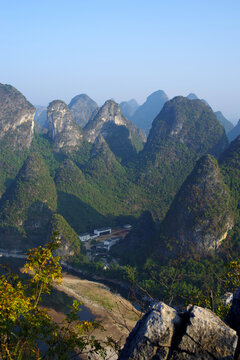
point(200, 215)
point(89, 185)
point(71, 247)
point(28, 203)
point(184, 131)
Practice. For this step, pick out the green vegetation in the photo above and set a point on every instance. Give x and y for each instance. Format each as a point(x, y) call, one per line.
point(185, 281)
point(201, 213)
point(29, 202)
point(28, 331)
point(184, 131)
point(189, 277)
point(11, 162)
point(45, 189)
point(90, 186)
point(43, 145)
point(120, 143)
point(230, 167)
point(71, 246)
point(77, 199)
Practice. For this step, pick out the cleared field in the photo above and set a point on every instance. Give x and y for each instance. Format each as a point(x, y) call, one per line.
point(116, 314)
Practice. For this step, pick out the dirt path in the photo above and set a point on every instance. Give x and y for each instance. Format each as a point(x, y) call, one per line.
point(116, 314)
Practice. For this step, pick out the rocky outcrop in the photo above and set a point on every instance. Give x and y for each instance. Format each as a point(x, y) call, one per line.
point(62, 128)
point(200, 216)
point(16, 118)
point(82, 107)
point(123, 137)
point(108, 115)
point(167, 334)
point(146, 113)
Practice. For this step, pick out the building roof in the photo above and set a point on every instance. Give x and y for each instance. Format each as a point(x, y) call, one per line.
point(103, 229)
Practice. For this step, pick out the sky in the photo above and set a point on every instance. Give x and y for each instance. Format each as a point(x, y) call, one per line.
point(122, 50)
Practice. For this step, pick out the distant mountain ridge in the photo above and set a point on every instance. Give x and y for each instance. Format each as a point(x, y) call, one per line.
point(82, 108)
point(128, 108)
point(97, 176)
point(145, 114)
point(193, 96)
point(226, 123)
point(234, 132)
point(228, 126)
point(41, 116)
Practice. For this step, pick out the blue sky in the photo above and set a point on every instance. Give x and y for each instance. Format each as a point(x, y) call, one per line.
point(122, 49)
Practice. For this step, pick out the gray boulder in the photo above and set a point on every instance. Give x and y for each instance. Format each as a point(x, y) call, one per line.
point(207, 336)
point(165, 333)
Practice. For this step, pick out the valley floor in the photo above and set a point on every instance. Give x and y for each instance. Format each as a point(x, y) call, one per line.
point(116, 314)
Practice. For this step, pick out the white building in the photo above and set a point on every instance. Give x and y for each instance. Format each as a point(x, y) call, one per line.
point(110, 242)
point(102, 231)
point(84, 237)
point(127, 227)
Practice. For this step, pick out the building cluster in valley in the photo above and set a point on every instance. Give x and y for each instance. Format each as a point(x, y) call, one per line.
point(102, 239)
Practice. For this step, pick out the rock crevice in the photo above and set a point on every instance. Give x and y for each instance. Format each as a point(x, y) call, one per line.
point(167, 334)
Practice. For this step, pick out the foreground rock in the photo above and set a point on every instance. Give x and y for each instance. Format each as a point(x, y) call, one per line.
point(164, 333)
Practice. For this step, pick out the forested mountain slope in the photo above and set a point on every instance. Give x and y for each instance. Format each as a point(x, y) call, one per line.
point(184, 131)
point(97, 176)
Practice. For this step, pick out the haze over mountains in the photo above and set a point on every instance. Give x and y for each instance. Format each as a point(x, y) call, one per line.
point(144, 114)
point(84, 108)
point(106, 172)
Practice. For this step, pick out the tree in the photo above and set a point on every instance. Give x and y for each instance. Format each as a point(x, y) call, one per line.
point(27, 331)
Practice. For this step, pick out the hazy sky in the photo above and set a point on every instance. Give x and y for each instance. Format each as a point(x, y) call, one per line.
point(122, 49)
